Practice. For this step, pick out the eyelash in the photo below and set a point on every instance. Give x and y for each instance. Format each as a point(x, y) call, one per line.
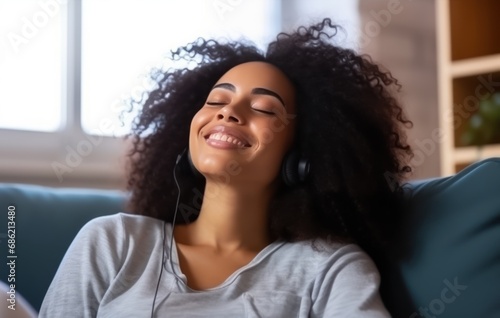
point(264, 111)
point(255, 109)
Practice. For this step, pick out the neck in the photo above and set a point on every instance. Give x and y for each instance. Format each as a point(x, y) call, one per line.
point(231, 218)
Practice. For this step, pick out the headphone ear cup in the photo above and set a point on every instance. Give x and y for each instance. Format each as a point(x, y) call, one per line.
point(289, 169)
point(294, 170)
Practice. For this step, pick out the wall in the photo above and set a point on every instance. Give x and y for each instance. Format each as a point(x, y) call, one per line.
point(401, 35)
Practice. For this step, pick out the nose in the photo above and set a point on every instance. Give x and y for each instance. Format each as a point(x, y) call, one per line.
point(230, 113)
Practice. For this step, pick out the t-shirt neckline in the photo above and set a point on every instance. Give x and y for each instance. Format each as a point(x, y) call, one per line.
point(173, 264)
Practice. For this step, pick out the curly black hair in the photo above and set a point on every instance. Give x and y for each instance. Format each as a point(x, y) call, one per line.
point(350, 127)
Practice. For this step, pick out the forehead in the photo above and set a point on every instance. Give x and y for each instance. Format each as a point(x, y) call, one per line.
point(250, 75)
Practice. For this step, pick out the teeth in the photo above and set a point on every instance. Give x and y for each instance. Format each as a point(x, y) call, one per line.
point(227, 138)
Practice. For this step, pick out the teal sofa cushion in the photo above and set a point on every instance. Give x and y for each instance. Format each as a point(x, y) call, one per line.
point(46, 221)
point(454, 266)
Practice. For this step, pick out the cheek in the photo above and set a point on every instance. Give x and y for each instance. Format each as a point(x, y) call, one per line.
point(277, 132)
point(196, 124)
point(198, 121)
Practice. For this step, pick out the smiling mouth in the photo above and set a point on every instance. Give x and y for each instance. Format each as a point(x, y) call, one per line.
point(226, 138)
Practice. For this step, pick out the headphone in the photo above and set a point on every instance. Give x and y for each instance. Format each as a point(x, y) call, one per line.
point(294, 168)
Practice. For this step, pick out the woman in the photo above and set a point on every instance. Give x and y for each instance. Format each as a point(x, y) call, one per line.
point(292, 162)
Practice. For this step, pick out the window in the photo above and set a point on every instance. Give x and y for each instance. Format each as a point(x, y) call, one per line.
point(68, 66)
point(123, 40)
point(31, 68)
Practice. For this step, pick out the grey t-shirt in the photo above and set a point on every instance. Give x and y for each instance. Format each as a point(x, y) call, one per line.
point(113, 266)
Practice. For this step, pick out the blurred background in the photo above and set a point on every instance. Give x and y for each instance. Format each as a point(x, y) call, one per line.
point(67, 68)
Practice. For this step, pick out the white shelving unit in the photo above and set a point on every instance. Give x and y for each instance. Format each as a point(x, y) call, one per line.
point(468, 49)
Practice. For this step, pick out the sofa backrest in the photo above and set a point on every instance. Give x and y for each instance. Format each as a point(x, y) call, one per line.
point(46, 221)
point(453, 268)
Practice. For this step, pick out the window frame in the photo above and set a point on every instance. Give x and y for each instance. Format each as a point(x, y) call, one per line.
point(63, 157)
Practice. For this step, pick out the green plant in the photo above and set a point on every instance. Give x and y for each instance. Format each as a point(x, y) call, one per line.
point(484, 126)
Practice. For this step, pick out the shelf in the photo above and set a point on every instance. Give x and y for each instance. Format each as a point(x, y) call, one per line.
point(468, 73)
point(475, 66)
point(465, 155)
point(467, 92)
point(474, 26)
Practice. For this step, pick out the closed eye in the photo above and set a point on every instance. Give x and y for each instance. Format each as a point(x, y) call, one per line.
point(264, 111)
point(215, 103)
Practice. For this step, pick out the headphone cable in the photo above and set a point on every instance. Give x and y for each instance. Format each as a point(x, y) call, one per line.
point(165, 236)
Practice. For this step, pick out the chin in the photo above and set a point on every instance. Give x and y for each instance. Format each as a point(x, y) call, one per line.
point(211, 169)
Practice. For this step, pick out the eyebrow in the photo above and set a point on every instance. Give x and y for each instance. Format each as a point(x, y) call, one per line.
point(256, 91)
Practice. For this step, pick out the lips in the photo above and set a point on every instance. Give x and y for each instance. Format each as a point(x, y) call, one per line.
point(227, 137)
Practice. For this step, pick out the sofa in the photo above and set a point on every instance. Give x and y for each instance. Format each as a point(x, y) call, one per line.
point(452, 268)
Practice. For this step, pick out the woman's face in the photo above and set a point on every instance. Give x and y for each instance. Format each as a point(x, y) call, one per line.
point(246, 125)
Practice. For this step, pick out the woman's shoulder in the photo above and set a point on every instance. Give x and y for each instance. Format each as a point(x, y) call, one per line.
point(324, 254)
point(122, 226)
point(122, 219)
point(321, 248)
